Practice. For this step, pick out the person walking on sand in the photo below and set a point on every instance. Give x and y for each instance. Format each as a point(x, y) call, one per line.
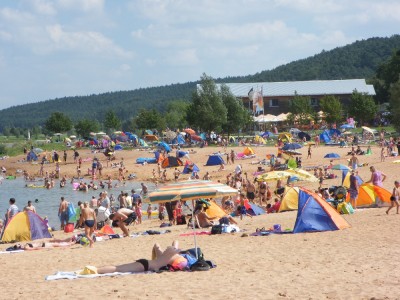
point(309, 152)
point(88, 219)
point(382, 154)
point(353, 161)
point(394, 199)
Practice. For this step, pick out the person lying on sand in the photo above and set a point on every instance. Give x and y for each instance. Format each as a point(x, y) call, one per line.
point(160, 258)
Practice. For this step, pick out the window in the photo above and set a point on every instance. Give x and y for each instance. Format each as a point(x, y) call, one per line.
point(273, 103)
point(314, 102)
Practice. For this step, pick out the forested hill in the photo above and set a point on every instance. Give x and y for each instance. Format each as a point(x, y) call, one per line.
point(357, 60)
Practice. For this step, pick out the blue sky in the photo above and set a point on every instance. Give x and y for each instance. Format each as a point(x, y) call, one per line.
point(51, 49)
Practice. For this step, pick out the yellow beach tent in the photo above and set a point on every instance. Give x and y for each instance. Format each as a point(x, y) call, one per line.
point(290, 200)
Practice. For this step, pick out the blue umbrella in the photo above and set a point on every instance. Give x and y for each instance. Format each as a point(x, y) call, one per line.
point(291, 146)
point(332, 155)
point(340, 167)
point(346, 126)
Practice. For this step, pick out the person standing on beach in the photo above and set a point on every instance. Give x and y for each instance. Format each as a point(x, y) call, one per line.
point(394, 199)
point(309, 152)
point(12, 210)
point(65, 157)
point(88, 219)
point(353, 189)
point(63, 212)
point(353, 162)
point(377, 178)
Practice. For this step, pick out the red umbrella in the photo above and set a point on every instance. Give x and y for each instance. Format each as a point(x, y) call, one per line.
point(190, 131)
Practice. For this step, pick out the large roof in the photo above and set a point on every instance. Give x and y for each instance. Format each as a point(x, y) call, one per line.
point(305, 88)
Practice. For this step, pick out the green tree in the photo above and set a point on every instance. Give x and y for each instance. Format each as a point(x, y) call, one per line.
point(15, 131)
point(207, 110)
point(111, 121)
point(147, 119)
point(332, 108)
point(7, 131)
point(58, 122)
point(300, 109)
point(176, 114)
point(395, 104)
point(85, 126)
point(237, 115)
point(362, 107)
point(36, 130)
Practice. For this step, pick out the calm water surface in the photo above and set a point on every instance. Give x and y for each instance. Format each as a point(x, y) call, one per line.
point(49, 200)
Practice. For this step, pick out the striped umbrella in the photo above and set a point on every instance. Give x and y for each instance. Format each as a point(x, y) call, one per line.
point(189, 190)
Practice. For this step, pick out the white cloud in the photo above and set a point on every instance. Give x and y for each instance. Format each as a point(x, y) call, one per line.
point(186, 57)
point(87, 41)
point(43, 7)
point(125, 67)
point(311, 6)
point(91, 6)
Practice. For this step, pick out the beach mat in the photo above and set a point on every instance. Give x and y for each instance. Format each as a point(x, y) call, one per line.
point(75, 275)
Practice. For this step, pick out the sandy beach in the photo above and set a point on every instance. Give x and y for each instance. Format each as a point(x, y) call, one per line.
point(356, 263)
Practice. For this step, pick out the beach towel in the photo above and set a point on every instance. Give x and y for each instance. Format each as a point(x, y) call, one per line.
point(75, 275)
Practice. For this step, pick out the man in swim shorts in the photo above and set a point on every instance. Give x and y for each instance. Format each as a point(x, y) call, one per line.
point(161, 258)
point(123, 217)
point(63, 212)
point(88, 219)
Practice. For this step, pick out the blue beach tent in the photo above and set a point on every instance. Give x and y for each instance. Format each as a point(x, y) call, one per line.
point(315, 214)
point(215, 160)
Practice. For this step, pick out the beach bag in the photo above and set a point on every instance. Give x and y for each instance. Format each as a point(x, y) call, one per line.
point(216, 229)
point(180, 220)
point(339, 207)
point(347, 209)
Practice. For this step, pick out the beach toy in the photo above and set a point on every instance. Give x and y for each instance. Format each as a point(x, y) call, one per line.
point(84, 241)
point(69, 227)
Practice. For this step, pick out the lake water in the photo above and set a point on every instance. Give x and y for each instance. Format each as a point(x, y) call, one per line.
point(49, 200)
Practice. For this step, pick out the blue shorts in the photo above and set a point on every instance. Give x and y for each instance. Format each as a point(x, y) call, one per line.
point(64, 217)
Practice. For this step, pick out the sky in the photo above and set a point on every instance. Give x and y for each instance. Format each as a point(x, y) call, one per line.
point(52, 49)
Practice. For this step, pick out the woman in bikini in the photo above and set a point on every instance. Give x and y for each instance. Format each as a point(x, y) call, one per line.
point(160, 258)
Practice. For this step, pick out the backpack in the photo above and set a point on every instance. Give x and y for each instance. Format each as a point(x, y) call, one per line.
point(216, 229)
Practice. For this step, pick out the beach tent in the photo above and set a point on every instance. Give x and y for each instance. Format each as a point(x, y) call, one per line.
point(31, 156)
point(170, 162)
point(346, 179)
point(165, 146)
point(118, 147)
point(158, 156)
point(215, 160)
point(303, 134)
point(315, 214)
point(367, 194)
point(190, 167)
point(25, 226)
point(143, 143)
point(248, 151)
point(324, 137)
point(285, 136)
point(290, 200)
point(214, 210)
point(292, 146)
point(178, 140)
point(259, 140)
point(254, 209)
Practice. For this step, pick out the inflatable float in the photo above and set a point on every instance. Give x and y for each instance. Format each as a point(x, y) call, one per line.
point(149, 160)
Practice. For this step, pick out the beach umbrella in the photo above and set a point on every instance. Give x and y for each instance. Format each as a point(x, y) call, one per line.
point(303, 175)
point(340, 167)
point(347, 126)
point(191, 189)
point(368, 129)
point(190, 131)
point(118, 132)
point(170, 135)
point(101, 133)
point(72, 137)
point(37, 150)
point(274, 175)
point(332, 155)
point(291, 146)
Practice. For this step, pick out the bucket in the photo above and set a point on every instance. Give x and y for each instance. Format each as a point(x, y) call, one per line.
point(69, 227)
point(277, 228)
